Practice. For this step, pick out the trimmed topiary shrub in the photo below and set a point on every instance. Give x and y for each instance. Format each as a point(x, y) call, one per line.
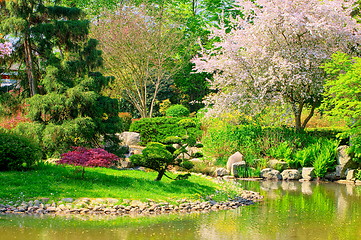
point(159, 128)
point(177, 111)
point(17, 152)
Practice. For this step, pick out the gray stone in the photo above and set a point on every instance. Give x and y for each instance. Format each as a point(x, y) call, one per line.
point(237, 157)
point(220, 172)
point(277, 164)
point(129, 138)
point(126, 164)
point(308, 173)
point(291, 174)
point(236, 168)
point(344, 161)
point(342, 155)
point(351, 175)
point(270, 174)
point(331, 176)
point(68, 200)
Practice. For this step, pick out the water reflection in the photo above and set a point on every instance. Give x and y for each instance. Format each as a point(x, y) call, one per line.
point(291, 210)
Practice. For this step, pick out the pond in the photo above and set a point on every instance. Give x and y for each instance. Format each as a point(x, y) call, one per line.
point(291, 210)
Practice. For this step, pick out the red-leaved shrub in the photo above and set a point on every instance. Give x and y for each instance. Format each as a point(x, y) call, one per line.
point(95, 157)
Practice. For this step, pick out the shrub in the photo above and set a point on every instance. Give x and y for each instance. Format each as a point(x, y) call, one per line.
point(159, 157)
point(177, 111)
point(96, 157)
point(297, 148)
point(159, 128)
point(17, 152)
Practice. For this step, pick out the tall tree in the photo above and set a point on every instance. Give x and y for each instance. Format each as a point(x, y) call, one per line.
point(142, 53)
point(37, 30)
point(63, 63)
point(275, 52)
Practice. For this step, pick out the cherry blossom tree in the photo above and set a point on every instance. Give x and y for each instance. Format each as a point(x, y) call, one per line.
point(274, 54)
point(5, 49)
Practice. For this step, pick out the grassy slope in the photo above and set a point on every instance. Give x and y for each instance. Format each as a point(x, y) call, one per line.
point(57, 182)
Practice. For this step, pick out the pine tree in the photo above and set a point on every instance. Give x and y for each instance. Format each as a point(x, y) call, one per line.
point(66, 106)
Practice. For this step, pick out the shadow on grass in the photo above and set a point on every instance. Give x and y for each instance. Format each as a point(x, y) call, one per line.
point(57, 182)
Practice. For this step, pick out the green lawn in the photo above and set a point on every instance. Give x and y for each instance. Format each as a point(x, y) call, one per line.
point(57, 182)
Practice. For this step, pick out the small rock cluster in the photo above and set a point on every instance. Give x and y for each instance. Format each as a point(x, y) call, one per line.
point(346, 169)
point(110, 207)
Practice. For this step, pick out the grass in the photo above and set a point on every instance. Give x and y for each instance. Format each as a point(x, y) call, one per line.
point(57, 182)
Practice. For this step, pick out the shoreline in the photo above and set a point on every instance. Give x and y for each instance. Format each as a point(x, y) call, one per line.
point(100, 206)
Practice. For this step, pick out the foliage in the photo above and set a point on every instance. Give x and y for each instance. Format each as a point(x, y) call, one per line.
point(69, 104)
point(325, 159)
point(159, 128)
point(297, 148)
point(84, 157)
point(342, 95)
point(177, 111)
point(17, 152)
point(142, 53)
point(159, 157)
point(274, 54)
point(155, 156)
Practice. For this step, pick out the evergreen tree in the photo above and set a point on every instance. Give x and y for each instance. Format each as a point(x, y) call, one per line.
point(61, 64)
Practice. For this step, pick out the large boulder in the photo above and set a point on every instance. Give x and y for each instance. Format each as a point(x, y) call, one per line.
point(344, 162)
point(129, 138)
point(308, 173)
point(291, 174)
point(237, 157)
point(270, 174)
point(238, 167)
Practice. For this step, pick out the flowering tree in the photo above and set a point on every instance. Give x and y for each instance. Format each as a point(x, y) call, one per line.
point(5, 49)
point(274, 53)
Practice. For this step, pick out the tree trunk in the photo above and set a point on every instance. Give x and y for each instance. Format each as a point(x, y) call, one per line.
point(297, 111)
point(30, 67)
point(160, 175)
point(310, 115)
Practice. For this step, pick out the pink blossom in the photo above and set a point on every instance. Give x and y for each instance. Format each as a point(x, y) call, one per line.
point(5, 49)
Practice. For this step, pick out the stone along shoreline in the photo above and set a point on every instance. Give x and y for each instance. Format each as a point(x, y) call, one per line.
point(110, 206)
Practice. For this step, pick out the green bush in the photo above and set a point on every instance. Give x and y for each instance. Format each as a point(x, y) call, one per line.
point(297, 148)
point(177, 111)
point(159, 128)
point(17, 152)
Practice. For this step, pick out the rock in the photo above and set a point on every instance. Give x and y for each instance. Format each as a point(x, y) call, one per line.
point(51, 209)
point(342, 155)
point(277, 164)
point(237, 157)
point(236, 169)
point(68, 200)
point(291, 174)
point(270, 174)
point(196, 160)
point(351, 175)
point(331, 176)
point(220, 172)
point(344, 161)
point(129, 138)
point(308, 173)
point(126, 164)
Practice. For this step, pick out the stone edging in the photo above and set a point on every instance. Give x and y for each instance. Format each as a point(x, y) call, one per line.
point(87, 206)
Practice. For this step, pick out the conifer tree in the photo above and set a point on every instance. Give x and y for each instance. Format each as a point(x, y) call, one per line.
point(66, 106)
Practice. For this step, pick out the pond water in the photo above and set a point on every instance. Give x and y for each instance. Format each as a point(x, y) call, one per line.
point(291, 210)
